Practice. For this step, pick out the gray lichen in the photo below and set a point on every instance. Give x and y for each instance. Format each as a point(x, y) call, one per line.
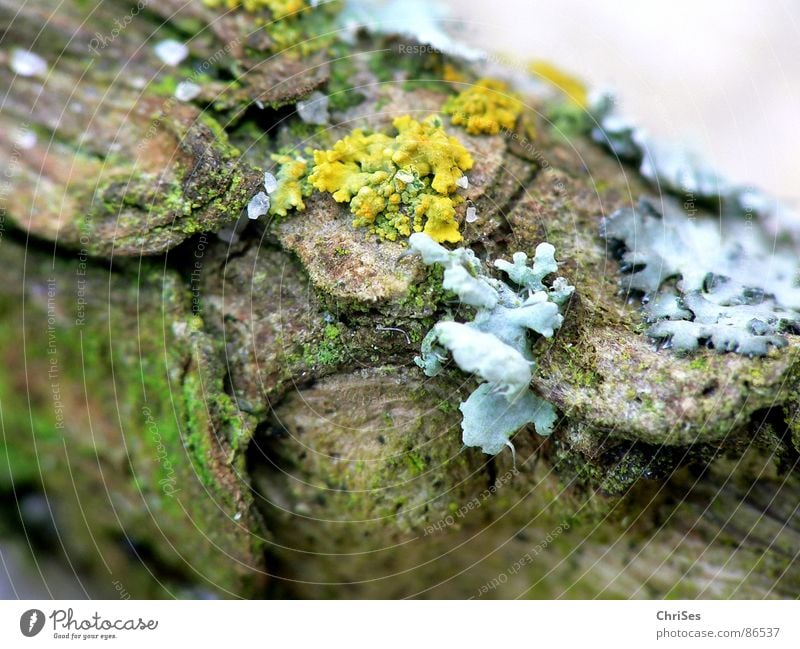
point(494, 346)
point(713, 281)
point(675, 170)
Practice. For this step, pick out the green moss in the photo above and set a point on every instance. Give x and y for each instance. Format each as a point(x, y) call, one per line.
point(447, 407)
point(341, 94)
point(575, 366)
point(165, 85)
point(791, 408)
point(415, 463)
point(418, 310)
point(427, 71)
point(615, 470)
point(584, 377)
point(189, 200)
point(381, 66)
point(328, 353)
point(166, 400)
point(567, 119)
point(332, 332)
point(27, 429)
point(220, 135)
point(307, 133)
point(423, 298)
point(699, 363)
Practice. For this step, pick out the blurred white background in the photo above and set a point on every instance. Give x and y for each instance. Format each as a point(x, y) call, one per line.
point(720, 76)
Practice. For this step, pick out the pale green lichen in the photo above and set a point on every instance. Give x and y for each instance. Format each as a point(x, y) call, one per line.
point(494, 346)
point(683, 173)
point(718, 282)
point(486, 107)
point(396, 185)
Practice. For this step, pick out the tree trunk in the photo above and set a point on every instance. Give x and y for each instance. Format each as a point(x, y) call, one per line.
point(241, 416)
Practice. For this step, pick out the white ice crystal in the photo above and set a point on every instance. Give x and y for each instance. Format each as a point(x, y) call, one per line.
point(258, 206)
point(187, 90)
point(171, 52)
point(27, 64)
point(270, 182)
point(24, 139)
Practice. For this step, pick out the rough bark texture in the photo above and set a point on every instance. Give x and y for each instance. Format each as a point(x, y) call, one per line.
point(246, 419)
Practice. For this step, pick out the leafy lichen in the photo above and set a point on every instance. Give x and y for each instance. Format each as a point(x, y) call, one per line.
point(683, 173)
point(732, 290)
point(494, 346)
point(485, 107)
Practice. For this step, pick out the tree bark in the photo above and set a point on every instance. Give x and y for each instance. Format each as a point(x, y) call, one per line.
point(245, 419)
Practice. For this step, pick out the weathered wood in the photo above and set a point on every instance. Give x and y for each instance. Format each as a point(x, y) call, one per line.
point(246, 419)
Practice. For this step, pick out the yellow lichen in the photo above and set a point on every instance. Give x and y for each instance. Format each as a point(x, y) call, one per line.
point(397, 184)
point(485, 107)
point(571, 87)
point(278, 8)
point(452, 74)
point(292, 185)
point(295, 25)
